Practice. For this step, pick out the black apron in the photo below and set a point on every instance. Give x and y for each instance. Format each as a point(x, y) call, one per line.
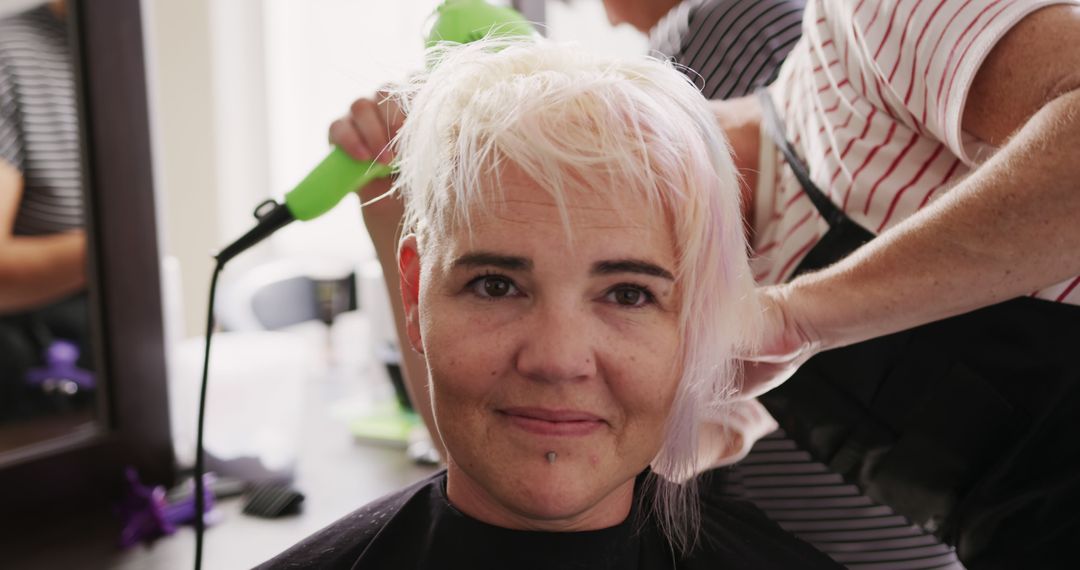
point(969, 426)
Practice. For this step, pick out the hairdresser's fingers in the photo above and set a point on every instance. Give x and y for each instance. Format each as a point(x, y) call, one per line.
point(761, 377)
point(369, 121)
point(787, 342)
point(344, 135)
point(787, 333)
point(726, 435)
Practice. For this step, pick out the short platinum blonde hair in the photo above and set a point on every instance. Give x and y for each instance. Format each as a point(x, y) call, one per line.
point(632, 129)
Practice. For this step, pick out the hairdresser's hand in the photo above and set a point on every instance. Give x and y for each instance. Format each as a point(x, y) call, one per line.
point(365, 133)
point(728, 434)
point(788, 341)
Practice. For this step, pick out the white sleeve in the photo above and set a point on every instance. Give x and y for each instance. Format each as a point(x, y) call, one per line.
point(924, 56)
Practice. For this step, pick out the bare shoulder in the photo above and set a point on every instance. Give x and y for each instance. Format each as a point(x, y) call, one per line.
point(1037, 61)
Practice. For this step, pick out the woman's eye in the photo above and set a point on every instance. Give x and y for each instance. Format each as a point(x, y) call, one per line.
point(630, 296)
point(493, 287)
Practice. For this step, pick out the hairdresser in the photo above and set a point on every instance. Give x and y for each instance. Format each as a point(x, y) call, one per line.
point(918, 184)
point(731, 48)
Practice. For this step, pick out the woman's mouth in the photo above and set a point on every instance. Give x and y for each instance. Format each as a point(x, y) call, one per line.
point(543, 421)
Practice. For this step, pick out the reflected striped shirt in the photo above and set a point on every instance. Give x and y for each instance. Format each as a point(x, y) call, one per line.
point(39, 130)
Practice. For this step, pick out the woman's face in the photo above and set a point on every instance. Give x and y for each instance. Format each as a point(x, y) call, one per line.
point(540, 345)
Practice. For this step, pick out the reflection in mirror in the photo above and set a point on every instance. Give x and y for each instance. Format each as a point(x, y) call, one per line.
point(48, 386)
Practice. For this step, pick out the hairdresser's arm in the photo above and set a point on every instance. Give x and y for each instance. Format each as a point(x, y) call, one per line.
point(34, 270)
point(740, 120)
point(1010, 228)
point(365, 133)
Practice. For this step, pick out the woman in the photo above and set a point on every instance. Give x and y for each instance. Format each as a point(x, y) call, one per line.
point(574, 272)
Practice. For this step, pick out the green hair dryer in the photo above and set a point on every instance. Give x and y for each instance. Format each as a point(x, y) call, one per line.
point(459, 21)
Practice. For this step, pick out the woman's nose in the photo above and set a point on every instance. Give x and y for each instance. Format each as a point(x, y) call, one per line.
point(557, 346)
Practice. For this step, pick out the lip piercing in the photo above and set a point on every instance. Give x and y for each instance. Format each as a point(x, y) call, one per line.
point(551, 457)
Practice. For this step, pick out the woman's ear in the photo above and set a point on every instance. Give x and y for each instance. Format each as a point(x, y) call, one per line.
point(409, 282)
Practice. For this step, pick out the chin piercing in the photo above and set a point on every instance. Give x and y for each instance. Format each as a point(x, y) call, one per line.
point(550, 457)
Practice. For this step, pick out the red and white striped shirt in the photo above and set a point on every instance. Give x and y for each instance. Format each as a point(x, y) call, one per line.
point(872, 98)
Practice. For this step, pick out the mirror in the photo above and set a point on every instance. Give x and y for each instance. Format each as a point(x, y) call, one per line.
point(49, 382)
point(69, 460)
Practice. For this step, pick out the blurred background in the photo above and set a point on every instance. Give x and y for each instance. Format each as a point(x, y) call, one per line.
point(191, 113)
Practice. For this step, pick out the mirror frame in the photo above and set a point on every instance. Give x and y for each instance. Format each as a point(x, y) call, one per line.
point(84, 470)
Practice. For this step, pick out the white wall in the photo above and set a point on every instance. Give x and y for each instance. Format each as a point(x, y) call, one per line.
point(180, 77)
point(241, 129)
point(320, 56)
point(584, 22)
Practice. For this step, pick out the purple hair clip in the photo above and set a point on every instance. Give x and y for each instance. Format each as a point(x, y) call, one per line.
point(60, 373)
point(146, 514)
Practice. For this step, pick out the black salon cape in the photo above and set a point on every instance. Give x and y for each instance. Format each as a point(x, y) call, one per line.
point(418, 528)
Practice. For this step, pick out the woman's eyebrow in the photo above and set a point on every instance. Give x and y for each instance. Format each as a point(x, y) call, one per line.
point(489, 259)
point(631, 266)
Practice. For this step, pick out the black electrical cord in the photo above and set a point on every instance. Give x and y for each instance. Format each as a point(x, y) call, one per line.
point(272, 217)
point(200, 467)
